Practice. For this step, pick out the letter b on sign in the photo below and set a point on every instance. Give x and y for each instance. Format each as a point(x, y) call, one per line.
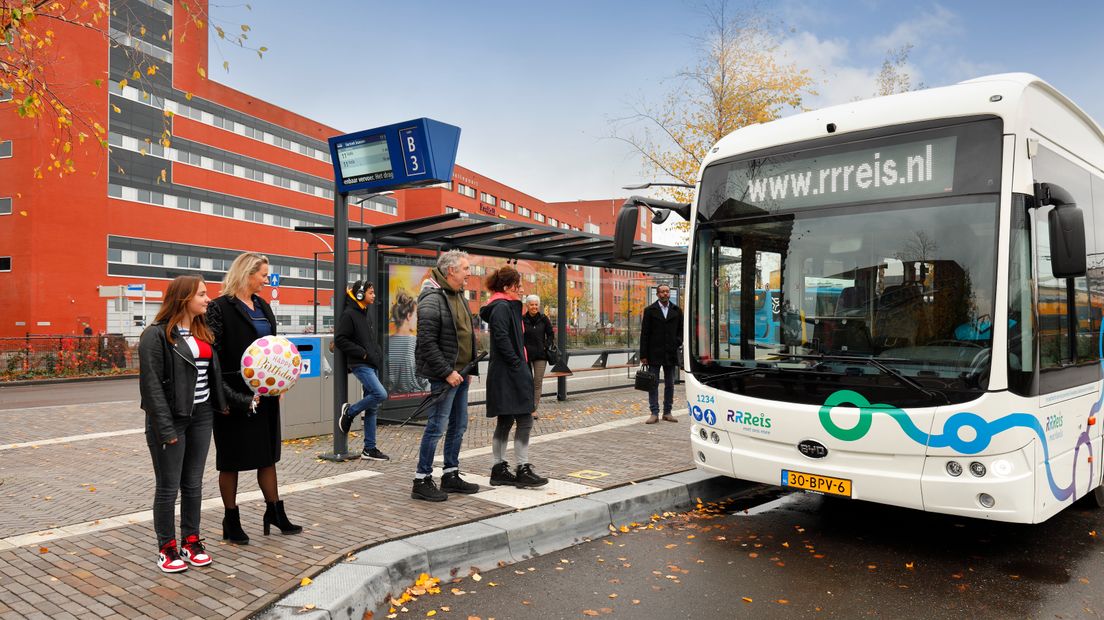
point(413, 151)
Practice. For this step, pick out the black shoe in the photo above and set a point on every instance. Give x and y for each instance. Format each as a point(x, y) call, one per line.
point(232, 529)
point(374, 455)
point(275, 515)
point(453, 483)
point(501, 475)
point(528, 479)
point(345, 421)
point(424, 489)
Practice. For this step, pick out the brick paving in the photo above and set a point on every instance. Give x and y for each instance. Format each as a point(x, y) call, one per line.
point(112, 574)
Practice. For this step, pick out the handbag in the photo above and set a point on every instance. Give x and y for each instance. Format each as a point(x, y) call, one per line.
point(646, 380)
point(552, 353)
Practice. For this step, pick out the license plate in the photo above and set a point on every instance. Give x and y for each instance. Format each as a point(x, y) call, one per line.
point(816, 483)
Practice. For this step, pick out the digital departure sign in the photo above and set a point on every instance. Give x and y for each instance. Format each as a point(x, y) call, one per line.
point(410, 154)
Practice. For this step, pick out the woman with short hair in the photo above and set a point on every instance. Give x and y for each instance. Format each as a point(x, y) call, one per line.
point(249, 437)
point(539, 336)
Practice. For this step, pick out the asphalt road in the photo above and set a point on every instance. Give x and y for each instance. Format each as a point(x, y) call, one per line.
point(802, 555)
point(69, 393)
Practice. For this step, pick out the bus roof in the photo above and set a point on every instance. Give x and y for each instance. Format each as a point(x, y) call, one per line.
point(1005, 95)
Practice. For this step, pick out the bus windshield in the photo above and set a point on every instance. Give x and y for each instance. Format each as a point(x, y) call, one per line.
point(794, 298)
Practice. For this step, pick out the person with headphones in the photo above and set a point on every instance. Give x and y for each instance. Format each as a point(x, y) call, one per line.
point(356, 337)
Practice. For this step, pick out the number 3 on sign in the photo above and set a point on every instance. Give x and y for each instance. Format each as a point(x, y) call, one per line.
point(411, 151)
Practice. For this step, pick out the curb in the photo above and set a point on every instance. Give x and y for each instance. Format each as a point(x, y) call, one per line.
point(25, 382)
point(348, 590)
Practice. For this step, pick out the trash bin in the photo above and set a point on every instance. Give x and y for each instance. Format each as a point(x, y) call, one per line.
point(307, 409)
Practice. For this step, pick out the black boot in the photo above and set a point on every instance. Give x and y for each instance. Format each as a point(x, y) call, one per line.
point(501, 475)
point(232, 529)
point(527, 478)
point(453, 483)
point(275, 515)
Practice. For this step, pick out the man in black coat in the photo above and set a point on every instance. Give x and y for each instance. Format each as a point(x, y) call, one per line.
point(356, 337)
point(660, 340)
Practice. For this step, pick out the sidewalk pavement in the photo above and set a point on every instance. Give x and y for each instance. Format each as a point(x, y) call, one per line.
point(76, 536)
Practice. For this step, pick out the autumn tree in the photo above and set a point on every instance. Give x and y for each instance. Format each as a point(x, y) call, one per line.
point(739, 79)
point(32, 46)
point(894, 76)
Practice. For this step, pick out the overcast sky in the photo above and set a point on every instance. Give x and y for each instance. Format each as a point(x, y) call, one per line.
point(535, 87)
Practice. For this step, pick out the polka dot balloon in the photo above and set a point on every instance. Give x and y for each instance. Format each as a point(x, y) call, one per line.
point(271, 365)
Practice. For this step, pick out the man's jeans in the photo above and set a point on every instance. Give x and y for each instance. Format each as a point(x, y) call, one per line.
point(178, 470)
point(374, 394)
point(451, 410)
point(668, 389)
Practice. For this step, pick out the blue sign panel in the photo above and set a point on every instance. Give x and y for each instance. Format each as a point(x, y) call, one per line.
point(411, 154)
point(274, 280)
point(310, 351)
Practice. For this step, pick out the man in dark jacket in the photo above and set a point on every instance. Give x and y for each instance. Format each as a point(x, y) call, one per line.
point(445, 345)
point(660, 339)
point(356, 337)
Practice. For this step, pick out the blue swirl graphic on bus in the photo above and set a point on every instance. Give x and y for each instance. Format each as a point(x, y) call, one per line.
point(951, 437)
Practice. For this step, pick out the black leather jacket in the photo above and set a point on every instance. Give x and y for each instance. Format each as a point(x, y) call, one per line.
point(167, 378)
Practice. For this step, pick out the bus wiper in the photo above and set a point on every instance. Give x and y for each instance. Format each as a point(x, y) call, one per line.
point(731, 373)
point(870, 359)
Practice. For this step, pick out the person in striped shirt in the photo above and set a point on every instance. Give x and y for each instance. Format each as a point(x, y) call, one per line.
point(181, 389)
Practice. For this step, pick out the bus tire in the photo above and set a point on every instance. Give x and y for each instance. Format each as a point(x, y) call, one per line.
point(1095, 498)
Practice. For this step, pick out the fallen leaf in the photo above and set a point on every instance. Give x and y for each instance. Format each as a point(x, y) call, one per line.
point(431, 612)
point(589, 612)
point(306, 581)
point(747, 599)
point(43, 550)
point(909, 565)
point(477, 577)
point(783, 601)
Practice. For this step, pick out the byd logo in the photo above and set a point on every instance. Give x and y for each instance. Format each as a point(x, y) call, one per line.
point(812, 449)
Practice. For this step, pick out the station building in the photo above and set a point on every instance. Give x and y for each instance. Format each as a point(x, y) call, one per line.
point(196, 172)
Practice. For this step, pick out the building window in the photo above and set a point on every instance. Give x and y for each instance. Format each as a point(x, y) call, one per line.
point(5, 95)
point(451, 210)
point(283, 319)
point(187, 262)
point(150, 258)
point(522, 211)
point(6, 151)
point(114, 255)
point(538, 216)
point(553, 222)
point(5, 206)
point(220, 264)
point(465, 190)
point(487, 198)
point(5, 263)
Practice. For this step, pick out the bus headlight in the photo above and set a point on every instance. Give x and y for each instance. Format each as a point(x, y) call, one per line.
point(954, 468)
point(986, 500)
point(977, 469)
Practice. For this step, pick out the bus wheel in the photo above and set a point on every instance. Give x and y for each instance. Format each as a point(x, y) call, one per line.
point(1096, 497)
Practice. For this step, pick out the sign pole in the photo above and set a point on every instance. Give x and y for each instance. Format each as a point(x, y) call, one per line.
point(341, 274)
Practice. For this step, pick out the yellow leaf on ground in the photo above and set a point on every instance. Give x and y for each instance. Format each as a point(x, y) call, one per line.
point(43, 550)
point(477, 577)
point(747, 599)
point(306, 581)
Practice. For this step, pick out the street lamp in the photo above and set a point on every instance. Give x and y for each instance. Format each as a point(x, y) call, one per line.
point(329, 247)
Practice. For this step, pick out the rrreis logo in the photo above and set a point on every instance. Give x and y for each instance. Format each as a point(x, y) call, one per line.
point(756, 423)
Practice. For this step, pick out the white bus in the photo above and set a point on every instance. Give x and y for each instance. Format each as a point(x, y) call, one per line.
point(935, 265)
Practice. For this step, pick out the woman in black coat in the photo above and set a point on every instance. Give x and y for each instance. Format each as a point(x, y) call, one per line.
point(509, 382)
point(249, 437)
point(539, 335)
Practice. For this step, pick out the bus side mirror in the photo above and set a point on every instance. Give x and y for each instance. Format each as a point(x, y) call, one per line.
point(624, 233)
point(1067, 231)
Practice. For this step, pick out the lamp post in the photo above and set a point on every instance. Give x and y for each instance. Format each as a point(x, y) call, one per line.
point(330, 252)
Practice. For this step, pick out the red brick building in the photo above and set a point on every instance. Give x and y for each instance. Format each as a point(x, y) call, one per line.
point(237, 174)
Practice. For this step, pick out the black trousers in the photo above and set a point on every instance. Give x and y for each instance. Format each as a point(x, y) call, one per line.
point(178, 469)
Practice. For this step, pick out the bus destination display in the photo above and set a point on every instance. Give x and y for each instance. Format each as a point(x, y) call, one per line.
point(365, 159)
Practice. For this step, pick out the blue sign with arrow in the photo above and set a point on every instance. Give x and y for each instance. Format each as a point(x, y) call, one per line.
point(410, 154)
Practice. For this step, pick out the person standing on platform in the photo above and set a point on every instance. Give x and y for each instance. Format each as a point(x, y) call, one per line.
point(660, 340)
point(445, 345)
point(249, 437)
point(509, 381)
point(356, 337)
point(181, 388)
point(539, 336)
